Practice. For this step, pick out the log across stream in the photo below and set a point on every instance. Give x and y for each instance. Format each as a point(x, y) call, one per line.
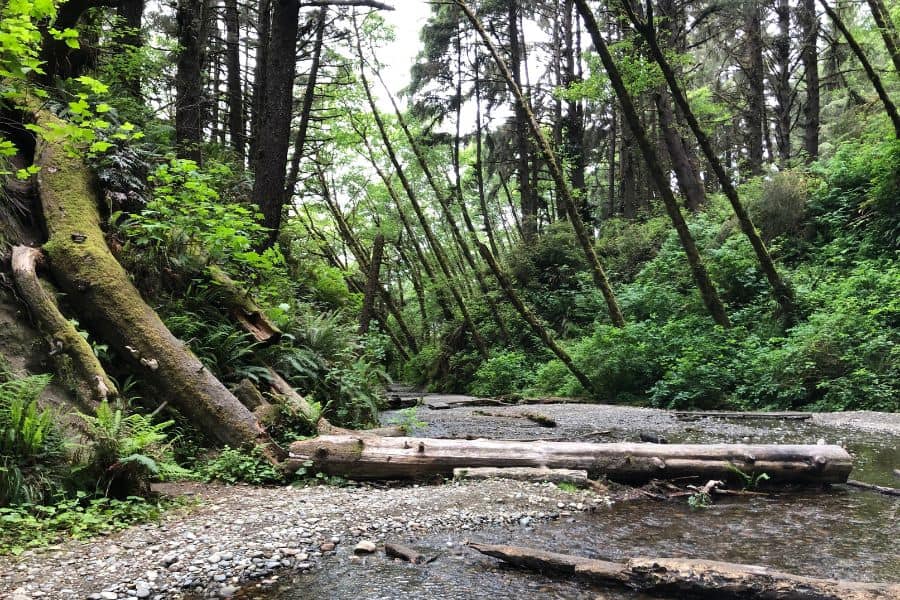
point(373, 457)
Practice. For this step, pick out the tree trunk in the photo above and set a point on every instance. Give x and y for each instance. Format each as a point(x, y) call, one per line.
point(309, 95)
point(782, 84)
point(682, 577)
point(527, 200)
point(573, 120)
point(885, 24)
point(190, 19)
point(809, 55)
point(260, 75)
point(372, 284)
point(275, 117)
point(687, 177)
point(71, 353)
point(101, 291)
point(782, 292)
point(131, 13)
point(755, 74)
point(698, 270)
point(587, 244)
point(889, 106)
point(479, 164)
point(236, 130)
point(394, 458)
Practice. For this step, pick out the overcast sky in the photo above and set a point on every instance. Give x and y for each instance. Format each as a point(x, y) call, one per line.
point(407, 20)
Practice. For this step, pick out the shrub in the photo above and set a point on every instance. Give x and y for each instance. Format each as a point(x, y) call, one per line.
point(232, 466)
point(126, 452)
point(627, 245)
point(502, 374)
point(779, 207)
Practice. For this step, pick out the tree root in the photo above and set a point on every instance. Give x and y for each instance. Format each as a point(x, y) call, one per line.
point(74, 359)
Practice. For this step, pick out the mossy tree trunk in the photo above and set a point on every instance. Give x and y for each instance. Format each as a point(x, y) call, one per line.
point(107, 303)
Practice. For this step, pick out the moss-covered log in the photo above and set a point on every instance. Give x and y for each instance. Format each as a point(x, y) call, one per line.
point(107, 303)
point(244, 309)
point(74, 359)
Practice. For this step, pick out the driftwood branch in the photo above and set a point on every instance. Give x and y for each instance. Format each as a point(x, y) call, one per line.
point(881, 489)
point(678, 577)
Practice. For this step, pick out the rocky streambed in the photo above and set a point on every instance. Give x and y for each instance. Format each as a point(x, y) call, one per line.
point(290, 542)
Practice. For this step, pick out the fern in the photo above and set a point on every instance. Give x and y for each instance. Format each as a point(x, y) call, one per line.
point(32, 458)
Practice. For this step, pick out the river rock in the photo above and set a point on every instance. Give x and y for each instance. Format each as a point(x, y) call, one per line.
point(365, 547)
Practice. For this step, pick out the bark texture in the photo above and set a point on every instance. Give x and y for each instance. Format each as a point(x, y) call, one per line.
point(71, 353)
point(367, 457)
point(681, 577)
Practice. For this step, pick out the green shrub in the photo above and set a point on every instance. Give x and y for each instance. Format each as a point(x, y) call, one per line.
point(625, 246)
point(233, 466)
point(28, 526)
point(779, 205)
point(502, 374)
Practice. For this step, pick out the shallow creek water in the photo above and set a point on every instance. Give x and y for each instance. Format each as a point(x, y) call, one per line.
point(836, 533)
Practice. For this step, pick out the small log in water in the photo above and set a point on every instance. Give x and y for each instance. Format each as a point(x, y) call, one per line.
point(373, 457)
point(530, 474)
point(679, 577)
point(881, 489)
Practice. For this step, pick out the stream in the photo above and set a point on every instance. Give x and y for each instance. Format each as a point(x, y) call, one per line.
point(841, 533)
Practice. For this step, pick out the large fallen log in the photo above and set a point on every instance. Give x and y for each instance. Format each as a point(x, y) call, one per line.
point(372, 457)
point(679, 577)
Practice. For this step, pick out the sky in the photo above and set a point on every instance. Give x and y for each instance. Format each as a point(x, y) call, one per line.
point(407, 19)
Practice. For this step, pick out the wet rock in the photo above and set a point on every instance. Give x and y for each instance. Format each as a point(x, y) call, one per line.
point(365, 547)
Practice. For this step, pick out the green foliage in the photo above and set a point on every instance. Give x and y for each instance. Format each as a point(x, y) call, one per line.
point(187, 225)
point(409, 421)
point(501, 374)
point(778, 205)
point(700, 500)
point(233, 466)
point(749, 480)
point(626, 245)
point(32, 454)
point(29, 525)
point(861, 193)
point(126, 451)
point(321, 355)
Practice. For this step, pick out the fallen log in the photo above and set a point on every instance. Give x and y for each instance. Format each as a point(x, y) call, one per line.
point(371, 457)
point(881, 489)
point(70, 352)
point(244, 309)
point(577, 477)
point(405, 553)
point(323, 426)
point(692, 415)
point(679, 577)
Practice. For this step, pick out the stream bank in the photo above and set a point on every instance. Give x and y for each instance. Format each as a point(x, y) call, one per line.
point(288, 542)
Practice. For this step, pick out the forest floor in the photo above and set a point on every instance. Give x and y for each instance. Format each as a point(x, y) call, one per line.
point(228, 535)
